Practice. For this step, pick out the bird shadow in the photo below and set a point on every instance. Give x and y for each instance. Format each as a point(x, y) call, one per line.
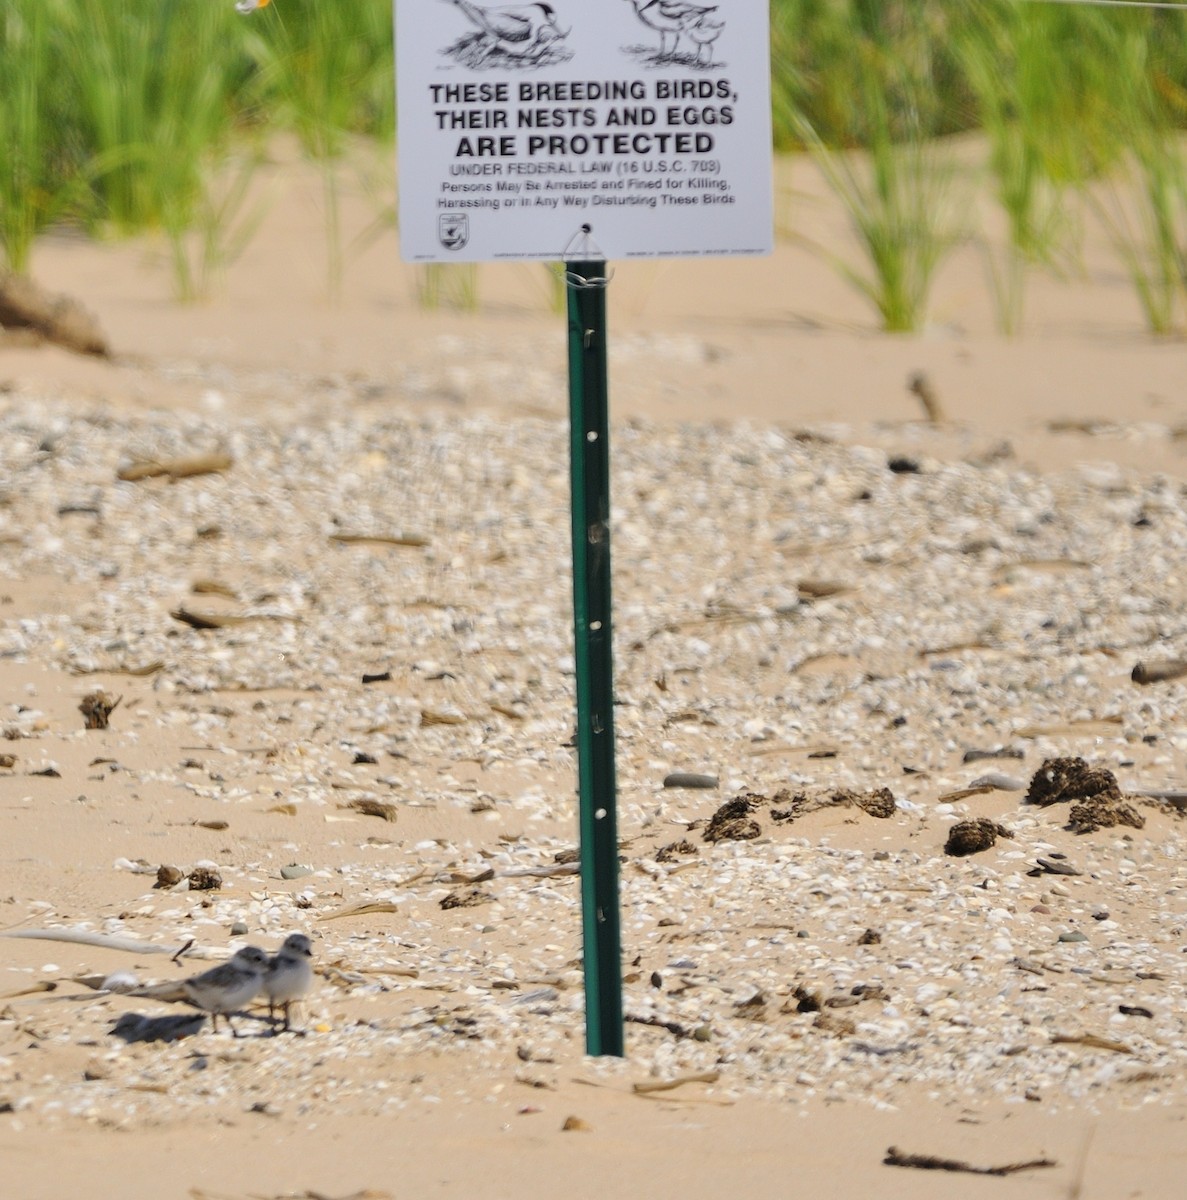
point(136, 1027)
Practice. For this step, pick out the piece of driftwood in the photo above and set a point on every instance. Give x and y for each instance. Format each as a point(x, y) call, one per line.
point(213, 587)
point(666, 1085)
point(148, 668)
point(55, 318)
point(110, 941)
point(544, 872)
point(415, 540)
point(821, 589)
point(673, 1027)
point(212, 620)
point(929, 1162)
point(920, 386)
point(432, 716)
point(197, 1193)
point(362, 910)
point(1159, 671)
point(44, 985)
point(176, 468)
point(1091, 1040)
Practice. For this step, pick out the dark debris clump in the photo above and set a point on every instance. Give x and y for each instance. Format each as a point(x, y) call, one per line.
point(733, 820)
point(973, 836)
point(1097, 801)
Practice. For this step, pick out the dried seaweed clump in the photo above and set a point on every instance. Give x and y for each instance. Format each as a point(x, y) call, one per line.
point(973, 836)
point(1060, 779)
point(673, 851)
point(733, 820)
point(1103, 812)
point(96, 709)
point(203, 879)
point(466, 898)
point(878, 802)
point(1097, 799)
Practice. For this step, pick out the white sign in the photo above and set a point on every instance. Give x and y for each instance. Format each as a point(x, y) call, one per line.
point(647, 120)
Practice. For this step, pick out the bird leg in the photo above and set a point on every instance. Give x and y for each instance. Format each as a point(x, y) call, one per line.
point(286, 1026)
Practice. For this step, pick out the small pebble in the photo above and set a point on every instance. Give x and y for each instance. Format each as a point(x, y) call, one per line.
point(1000, 781)
point(687, 779)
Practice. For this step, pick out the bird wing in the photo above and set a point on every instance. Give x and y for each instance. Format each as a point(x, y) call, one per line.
point(511, 27)
point(506, 24)
point(678, 10)
point(171, 993)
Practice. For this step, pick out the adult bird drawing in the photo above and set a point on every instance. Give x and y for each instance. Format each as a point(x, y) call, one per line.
point(517, 30)
point(676, 19)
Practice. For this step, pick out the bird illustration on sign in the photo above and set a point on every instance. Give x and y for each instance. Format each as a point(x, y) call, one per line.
point(520, 36)
point(686, 31)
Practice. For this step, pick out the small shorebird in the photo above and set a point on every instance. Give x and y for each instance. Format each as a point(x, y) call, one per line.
point(228, 987)
point(673, 19)
point(290, 975)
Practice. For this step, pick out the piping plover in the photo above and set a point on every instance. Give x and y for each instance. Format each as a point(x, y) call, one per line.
point(290, 975)
point(228, 987)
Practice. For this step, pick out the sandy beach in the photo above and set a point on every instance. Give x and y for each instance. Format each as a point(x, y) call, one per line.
point(339, 654)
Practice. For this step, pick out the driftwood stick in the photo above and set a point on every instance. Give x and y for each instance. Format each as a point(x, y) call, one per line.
point(666, 1085)
point(176, 468)
point(673, 1027)
point(929, 1162)
point(544, 872)
point(920, 386)
point(1159, 670)
point(1091, 1040)
point(109, 941)
point(59, 319)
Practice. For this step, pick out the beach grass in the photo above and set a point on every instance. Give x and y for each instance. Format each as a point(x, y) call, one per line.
point(898, 193)
point(147, 117)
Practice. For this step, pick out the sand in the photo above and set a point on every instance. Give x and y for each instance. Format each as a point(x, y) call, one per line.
point(753, 402)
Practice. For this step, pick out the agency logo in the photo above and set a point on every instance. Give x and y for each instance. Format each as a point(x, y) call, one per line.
point(453, 230)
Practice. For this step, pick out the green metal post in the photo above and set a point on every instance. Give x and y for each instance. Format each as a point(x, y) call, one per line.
point(590, 473)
